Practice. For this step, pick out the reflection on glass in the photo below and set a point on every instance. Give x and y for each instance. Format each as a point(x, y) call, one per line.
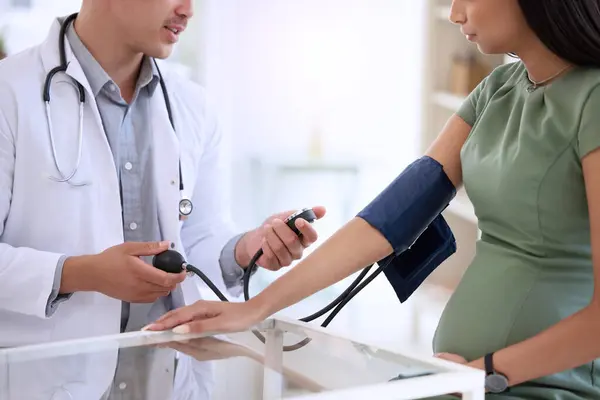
point(241, 366)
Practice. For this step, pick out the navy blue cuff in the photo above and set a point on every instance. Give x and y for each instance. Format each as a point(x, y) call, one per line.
point(404, 210)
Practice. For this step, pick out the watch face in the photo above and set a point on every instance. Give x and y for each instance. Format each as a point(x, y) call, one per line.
point(496, 383)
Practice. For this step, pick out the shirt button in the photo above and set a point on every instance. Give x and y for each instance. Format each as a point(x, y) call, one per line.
point(122, 385)
point(128, 166)
point(112, 87)
point(133, 226)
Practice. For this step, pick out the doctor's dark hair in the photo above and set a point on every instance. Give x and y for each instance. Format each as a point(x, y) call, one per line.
point(569, 28)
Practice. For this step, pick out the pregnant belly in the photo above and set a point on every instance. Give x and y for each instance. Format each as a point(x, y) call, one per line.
point(505, 298)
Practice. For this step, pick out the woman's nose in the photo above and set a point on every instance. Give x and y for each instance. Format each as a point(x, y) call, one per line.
point(457, 13)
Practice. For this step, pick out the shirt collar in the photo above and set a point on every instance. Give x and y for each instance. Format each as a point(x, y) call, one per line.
point(95, 74)
point(148, 75)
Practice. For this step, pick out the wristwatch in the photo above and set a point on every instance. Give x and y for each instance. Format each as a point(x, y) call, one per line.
point(494, 381)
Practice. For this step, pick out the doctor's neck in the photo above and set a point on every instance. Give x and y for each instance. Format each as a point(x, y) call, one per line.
point(107, 45)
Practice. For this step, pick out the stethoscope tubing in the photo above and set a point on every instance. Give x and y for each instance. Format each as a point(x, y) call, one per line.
point(79, 147)
point(67, 178)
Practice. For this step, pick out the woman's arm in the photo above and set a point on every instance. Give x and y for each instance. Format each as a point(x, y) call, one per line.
point(357, 244)
point(575, 340)
point(349, 250)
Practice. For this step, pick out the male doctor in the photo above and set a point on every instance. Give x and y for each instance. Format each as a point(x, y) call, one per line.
point(88, 195)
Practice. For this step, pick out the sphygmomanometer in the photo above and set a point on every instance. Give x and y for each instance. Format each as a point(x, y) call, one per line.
point(402, 213)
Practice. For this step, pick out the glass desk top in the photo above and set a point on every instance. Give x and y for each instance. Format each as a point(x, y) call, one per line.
point(213, 366)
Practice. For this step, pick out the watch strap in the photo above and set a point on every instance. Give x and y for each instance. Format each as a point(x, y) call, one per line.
point(493, 375)
point(488, 361)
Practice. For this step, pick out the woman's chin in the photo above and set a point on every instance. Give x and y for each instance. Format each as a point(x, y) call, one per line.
point(491, 49)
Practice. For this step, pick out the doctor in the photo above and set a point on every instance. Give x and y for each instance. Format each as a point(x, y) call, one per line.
point(105, 160)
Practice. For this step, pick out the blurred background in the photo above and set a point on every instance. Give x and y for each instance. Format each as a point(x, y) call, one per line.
point(323, 102)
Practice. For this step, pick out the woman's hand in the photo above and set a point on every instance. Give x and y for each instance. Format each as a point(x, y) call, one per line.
point(210, 349)
point(452, 357)
point(210, 316)
point(456, 359)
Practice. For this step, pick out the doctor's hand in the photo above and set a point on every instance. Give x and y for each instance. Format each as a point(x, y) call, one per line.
point(278, 241)
point(119, 272)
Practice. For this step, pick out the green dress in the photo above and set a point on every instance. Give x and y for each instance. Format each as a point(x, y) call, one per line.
point(522, 170)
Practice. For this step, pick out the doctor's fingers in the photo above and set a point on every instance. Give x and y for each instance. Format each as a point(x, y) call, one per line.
point(269, 259)
point(289, 238)
point(144, 248)
point(138, 291)
point(309, 234)
point(153, 275)
point(278, 246)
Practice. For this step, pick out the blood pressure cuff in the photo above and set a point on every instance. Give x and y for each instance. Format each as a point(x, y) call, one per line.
point(408, 214)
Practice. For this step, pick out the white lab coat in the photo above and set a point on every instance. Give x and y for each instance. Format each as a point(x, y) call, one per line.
point(42, 219)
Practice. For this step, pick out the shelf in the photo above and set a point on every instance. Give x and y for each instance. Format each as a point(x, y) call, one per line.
point(443, 13)
point(448, 100)
point(462, 207)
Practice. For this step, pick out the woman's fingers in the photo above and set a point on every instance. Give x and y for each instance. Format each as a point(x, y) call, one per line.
point(172, 319)
point(210, 317)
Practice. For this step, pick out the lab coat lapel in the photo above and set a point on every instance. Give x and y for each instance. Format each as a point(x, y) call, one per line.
point(166, 169)
point(166, 177)
point(51, 59)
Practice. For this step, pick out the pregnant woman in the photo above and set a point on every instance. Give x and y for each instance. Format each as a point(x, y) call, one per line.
point(525, 146)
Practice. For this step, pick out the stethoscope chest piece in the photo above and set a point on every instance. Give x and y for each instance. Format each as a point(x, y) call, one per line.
point(185, 208)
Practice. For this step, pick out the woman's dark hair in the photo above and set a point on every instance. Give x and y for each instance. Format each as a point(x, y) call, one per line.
point(569, 28)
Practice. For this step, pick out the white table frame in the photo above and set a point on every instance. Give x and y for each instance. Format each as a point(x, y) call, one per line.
point(455, 378)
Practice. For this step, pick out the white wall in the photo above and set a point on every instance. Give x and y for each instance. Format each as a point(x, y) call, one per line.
point(276, 70)
point(280, 69)
point(23, 28)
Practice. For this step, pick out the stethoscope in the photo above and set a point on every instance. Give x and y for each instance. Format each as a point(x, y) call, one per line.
point(185, 204)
